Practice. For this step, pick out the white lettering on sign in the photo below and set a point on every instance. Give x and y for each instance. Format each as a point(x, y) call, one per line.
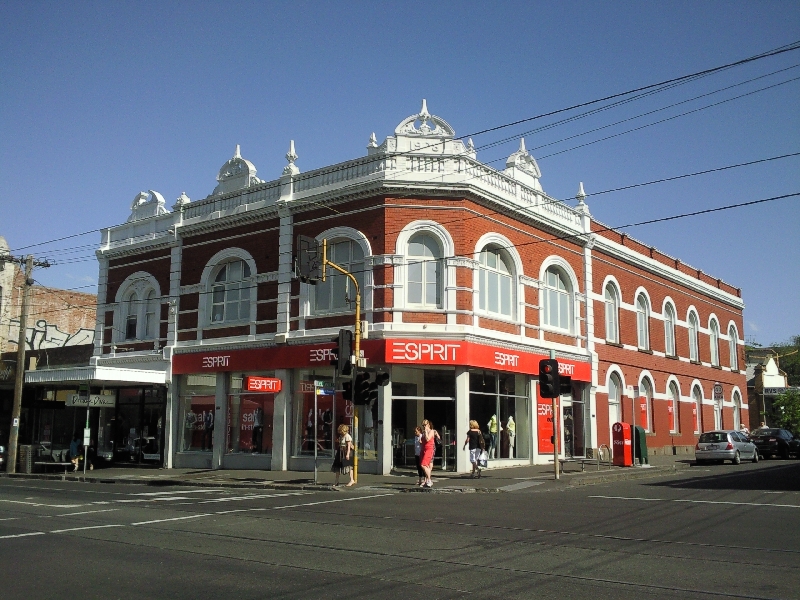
point(566, 369)
point(503, 359)
point(262, 384)
point(424, 351)
point(545, 410)
point(322, 355)
point(211, 362)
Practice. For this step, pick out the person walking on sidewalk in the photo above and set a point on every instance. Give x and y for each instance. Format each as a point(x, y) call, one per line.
point(476, 446)
point(417, 457)
point(343, 462)
point(429, 437)
point(75, 451)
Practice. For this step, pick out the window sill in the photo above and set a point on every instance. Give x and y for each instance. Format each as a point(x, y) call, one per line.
point(333, 313)
point(551, 329)
point(671, 356)
point(226, 324)
point(644, 351)
point(717, 367)
point(696, 362)
point(614, 344)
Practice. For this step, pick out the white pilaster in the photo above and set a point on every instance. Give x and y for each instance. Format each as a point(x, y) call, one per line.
point(281, 422)
point(462, 418)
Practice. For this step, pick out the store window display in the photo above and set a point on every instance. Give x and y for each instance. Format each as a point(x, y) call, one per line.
point(197, 413)
point(498, 402)
point(249, 419)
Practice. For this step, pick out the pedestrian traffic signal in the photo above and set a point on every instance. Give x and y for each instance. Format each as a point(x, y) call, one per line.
point(549, 384)
point(344, 352)
point(310, 260)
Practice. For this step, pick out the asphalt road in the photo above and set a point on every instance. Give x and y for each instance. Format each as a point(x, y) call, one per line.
point(717, 531)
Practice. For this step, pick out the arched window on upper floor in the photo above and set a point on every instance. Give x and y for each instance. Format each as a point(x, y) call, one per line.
point(557, 300)
point(496, 282)
point(131, 308)
point(231, 290)
point(697, 408)
point(673, 407)
point(694, 354)
point(646, 404)
point(137, 314)
point(669, 330)
point(337, 293)
point(713, 340)
point(424, 277)
point(611, 295)
point(733, 348)
point(643, 322)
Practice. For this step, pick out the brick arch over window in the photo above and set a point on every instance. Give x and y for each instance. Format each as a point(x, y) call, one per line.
point(733, 346)
point(644, 403)
point(612, 299)
point(557, 296)
point(412, 276)
point(615, 385)
point(674, 404)
point(643, 307)
point(499, 266)
point(693, 329)
point(137, 314)
point(670, 317)
point(234, 290)
point(713, 339)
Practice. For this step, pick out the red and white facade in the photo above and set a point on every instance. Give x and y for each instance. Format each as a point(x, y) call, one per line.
point(469, 275)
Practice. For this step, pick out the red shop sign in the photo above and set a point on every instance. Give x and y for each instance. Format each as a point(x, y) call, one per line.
point(262, 384)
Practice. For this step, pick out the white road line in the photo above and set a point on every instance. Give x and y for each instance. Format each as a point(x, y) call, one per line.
point(42, 504)
point(86, 512)
point(330, 501)
point(728, 503)
point(209, 491)
point(253, 497)
point(19, 535)
point(83, 528)
point(174, 519)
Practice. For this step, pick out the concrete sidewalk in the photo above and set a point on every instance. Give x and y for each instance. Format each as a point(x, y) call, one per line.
point(402, 480)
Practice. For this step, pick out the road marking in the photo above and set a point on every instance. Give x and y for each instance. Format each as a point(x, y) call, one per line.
point(253, 497)
point(520, 486)
point(42, 504)
point(330, 501)
point(83, 528)
point(18, 535)
point(728, 503)
point(86, 512)
point(178, 492)
point(174, 519)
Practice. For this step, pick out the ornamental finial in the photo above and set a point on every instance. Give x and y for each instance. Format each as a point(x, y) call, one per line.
point(291, 156)
point(238, 153)
point(581, 194)
point(522, 148)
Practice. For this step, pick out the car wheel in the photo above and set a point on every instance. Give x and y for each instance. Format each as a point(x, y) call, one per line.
point(785, 453)
point(737, 460)
point(755, 456)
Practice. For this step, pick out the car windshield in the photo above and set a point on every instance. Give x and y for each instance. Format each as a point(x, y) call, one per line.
point(765, 432)
point(714, 436)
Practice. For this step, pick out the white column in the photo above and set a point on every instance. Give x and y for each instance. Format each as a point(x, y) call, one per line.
point(175, 258)
point(220, 419)
point(172, 427)
point(384, 443)
point(282, 422)
point(462, 419)
point(100, 319)
point(285, 272)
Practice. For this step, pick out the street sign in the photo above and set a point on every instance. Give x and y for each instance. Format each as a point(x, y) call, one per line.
point(92, 400)
point(718, 395)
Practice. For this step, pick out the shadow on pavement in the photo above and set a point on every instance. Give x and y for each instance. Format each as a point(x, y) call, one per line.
point(778, 476)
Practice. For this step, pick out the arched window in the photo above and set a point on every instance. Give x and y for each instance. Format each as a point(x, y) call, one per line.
point(643, 322)
point(669, 330)
point(230, 293)
point(733, 348)
point(697, 409)
point(612, 313)
point(614, 400)
point(717, 414)
point(496, 289)
point(737, 410)
point(424, 271)
point(131, 316)
point(556, 300)
point(693, 327)
point(713, 340)
point(645, 416)
point(333, 294)
point(673, 408)
point(151, 316)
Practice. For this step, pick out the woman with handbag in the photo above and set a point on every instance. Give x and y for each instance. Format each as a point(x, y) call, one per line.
point(343, 461)
point(476, 446)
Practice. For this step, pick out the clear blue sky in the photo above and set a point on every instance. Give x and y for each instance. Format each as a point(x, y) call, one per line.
point(99, 100)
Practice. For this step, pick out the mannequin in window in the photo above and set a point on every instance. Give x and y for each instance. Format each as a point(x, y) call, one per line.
point(208, 430)
point(511, 430)
point(327, 427)
point(258, 429)
point(492, 425)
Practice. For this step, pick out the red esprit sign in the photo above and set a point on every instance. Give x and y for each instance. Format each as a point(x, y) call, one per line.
point(435, 352)
point(262, 384)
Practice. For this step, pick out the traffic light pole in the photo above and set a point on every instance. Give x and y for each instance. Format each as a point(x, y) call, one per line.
point(555, 428)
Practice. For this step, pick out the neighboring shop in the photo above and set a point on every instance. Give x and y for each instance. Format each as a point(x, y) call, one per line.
point(292, 411)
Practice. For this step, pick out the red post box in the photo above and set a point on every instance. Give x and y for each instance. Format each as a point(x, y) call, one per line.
point(621, 442)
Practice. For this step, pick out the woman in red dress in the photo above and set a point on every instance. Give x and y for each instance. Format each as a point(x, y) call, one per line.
point(429, 437)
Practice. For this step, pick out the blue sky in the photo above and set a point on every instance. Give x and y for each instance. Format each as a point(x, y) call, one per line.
point(100, 100)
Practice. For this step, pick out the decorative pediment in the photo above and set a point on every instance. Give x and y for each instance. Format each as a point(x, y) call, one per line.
point(429, 125)
point(523, 161)
point(236, 174)
point(147, 204)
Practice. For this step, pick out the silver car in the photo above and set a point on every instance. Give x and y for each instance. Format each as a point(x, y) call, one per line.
point(724, 445)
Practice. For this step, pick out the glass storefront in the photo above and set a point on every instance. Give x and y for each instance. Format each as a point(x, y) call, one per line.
point(197, 413)
point(499, 403)
point(139, 428)
point(332, 411)
point(249, 419)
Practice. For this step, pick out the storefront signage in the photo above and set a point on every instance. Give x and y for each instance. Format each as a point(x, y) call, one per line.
point(7, 371)
point(92, 400)
point(270, 385)
point(777, 391)
point(544, 415)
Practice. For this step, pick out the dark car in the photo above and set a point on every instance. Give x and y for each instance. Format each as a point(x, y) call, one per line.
point(3, 458)
point(776, 442)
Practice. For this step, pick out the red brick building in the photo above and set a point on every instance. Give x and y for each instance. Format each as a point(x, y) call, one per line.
point(468, 276)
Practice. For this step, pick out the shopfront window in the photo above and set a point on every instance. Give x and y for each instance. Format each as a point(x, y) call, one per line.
point(499, 403)
point(249, 419)
point(332, 411)
point(197, 413)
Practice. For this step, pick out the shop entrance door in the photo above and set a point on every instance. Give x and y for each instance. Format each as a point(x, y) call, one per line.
point(408, 413)
point(139, 429)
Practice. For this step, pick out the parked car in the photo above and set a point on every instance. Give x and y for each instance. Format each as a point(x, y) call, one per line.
point(3, 458)
point(724, 445)
point(776, 442)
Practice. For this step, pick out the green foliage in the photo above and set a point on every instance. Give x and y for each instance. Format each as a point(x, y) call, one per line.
point(786, 409)
point(789, 359)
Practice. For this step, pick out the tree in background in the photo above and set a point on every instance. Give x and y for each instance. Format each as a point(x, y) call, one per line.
point(786, 410)
point(789, 359)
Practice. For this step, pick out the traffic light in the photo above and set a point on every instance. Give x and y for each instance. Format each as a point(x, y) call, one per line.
point(347, 391)
point(382, 378)
point(361, 388)
point(549, 384)
point(309, 260)
point(565, 384)
point(344, 352)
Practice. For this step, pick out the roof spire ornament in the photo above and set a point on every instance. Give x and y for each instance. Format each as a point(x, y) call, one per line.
point(471, 152)
point(424, 117)
point(581, 196)
point(373, 141)
point(522, 148)
point(238, 153)
point(291, 156)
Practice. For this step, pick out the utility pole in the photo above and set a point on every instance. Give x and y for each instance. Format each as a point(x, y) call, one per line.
point(13, 436)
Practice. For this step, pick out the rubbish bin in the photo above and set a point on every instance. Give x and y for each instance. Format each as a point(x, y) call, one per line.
point(640, 446)
point(25, 455)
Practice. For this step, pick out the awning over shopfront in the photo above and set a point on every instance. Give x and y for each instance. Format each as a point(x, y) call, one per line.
point(96, 375)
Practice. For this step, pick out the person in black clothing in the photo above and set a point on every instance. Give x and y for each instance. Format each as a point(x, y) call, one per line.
point(476, 446)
